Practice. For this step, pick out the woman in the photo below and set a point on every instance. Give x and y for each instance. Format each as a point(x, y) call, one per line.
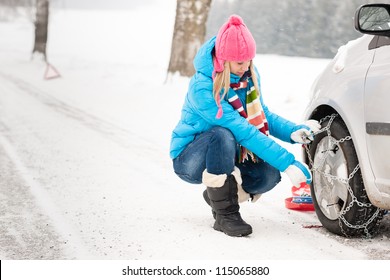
point(222, 138)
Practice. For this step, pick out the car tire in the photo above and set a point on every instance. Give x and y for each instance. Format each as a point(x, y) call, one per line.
point(331, 197)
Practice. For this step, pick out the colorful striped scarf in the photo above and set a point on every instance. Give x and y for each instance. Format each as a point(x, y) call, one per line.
point(254, 113)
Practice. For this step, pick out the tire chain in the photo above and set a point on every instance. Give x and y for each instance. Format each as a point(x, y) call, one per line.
point(344, 181)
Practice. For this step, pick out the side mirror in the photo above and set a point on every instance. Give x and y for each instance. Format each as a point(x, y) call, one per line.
point(373, 19)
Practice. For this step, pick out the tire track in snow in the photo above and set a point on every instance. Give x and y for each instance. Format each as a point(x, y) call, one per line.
point(124, 137)
point(127, 139)
point(45, 203)
point(75, 246)
point(139, 146)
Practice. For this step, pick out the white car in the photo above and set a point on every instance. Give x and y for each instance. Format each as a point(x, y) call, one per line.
point(350, 157)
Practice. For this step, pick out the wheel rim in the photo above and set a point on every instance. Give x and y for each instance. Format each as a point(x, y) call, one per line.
point(331, 194)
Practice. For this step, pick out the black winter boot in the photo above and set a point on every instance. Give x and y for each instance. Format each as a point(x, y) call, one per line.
point(207, 199)
point(224, 202)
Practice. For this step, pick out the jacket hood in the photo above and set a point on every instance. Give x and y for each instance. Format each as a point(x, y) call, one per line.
point(203, 61)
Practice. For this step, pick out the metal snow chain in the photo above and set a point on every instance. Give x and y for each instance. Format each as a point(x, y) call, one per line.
point(344, 181)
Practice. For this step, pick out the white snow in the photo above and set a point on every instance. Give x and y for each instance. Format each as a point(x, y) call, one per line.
point(92, 147)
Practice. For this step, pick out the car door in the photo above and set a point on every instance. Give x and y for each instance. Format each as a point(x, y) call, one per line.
point(377, 112)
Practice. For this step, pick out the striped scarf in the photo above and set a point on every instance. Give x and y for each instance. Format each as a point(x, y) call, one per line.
point(254, 113)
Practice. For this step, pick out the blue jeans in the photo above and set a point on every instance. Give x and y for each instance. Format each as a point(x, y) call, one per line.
point(215, 150)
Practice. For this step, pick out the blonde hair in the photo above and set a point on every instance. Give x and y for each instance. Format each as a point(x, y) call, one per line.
point(222, 81)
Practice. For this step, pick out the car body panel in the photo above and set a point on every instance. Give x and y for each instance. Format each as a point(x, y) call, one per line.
point(377, 116)
point(341, 86)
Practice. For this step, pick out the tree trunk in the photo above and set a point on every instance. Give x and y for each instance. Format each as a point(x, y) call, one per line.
point(41, 27)
point(188, 35)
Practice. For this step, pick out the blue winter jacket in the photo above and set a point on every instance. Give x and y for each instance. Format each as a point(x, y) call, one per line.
point(199, 115)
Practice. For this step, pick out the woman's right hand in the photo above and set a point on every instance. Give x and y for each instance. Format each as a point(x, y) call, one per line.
point(298, 173)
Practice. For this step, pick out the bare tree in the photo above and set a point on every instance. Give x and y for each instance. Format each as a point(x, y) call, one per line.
point(188, 35)
point(41, 27)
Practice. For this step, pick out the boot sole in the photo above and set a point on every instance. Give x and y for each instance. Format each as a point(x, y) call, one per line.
point(233, 233)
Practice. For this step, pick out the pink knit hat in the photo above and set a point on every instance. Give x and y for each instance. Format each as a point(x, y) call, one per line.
point(234, 43)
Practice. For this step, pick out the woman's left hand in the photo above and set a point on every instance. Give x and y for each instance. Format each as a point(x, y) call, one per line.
point(304, 133)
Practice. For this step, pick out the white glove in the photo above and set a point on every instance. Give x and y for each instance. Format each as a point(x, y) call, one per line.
point(304, 133)
point(298, 173)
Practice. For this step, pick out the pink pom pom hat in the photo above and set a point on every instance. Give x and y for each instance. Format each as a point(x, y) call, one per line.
point(234, 43)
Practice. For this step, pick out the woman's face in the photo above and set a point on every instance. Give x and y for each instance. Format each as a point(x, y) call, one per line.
point(239, 67)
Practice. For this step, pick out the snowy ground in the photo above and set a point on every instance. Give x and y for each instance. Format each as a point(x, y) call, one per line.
point(84, 166)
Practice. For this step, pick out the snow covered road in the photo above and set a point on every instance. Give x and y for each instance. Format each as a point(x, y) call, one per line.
point(77, 166)
point(75, 186)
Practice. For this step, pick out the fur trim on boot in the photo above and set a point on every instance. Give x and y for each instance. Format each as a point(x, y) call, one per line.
point(217, 181)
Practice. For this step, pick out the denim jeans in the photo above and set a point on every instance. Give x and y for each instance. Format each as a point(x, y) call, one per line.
point(215, 150)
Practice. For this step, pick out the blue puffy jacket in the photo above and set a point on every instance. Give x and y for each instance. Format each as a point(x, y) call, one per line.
point(199, 115)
